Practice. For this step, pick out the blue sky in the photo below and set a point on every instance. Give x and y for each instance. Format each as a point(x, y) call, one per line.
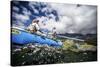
point(33, 11)
point(67, 18)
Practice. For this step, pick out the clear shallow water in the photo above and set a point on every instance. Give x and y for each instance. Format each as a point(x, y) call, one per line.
point(36, 55)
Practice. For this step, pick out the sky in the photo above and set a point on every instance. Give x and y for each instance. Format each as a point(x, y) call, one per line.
point(67, 18)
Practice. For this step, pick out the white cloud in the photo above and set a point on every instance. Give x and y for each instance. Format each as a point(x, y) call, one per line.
point(20, 19)
point(33, 8)
point(73, 23)
point(15, 8)
point(50, 23)
point(26, 11)
point(72, 19)
point(47, 9)
point(77, 19)
point(52, 16)
point(63, 9)
point(44, 9)
point(36, 11)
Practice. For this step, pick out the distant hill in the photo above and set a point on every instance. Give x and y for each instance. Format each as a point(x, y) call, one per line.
point(76, 35)
point(89, 38)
